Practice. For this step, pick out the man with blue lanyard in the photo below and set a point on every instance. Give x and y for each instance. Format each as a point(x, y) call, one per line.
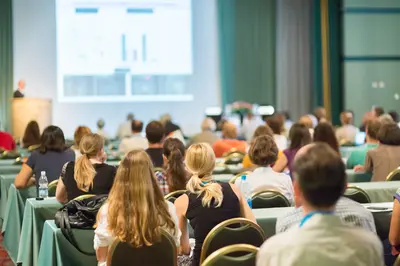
point(321, 238)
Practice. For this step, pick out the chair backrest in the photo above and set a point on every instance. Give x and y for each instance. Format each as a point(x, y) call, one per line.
point(159, 169)
point(229, 232)
point(269, 198)
point(174, 195)
point(357, 194)
point(10, 155)
point(52, 188)
point(82, 197)
point(233, 179)
point(234, 158)
point(163, 253)
point(394, 175)
point(33, 147)
point(222, 257)
point(221, 168)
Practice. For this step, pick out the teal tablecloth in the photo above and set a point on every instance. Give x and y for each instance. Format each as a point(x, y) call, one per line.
point(56, 250)
point(353, 177)
point(379, 191)
point(13, 218)
point(9, 169)
point(346, 151)
point(35, 214)
point(6, 162)
point(5, 183)
point(225, 178)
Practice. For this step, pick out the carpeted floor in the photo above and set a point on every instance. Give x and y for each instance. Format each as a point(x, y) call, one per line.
point(4, 259)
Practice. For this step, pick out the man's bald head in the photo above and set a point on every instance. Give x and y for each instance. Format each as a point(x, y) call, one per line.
point(303, 150)
point(21, 84)
point(229, 131)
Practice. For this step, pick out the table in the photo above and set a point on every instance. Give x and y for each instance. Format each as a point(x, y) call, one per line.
point(379, 191)
point(13, 218)
point(5, 183)
point(35, 214)
point(346, 151)
point(353, 177)
point(10, 169)
point(7, 162)
point(224, 178)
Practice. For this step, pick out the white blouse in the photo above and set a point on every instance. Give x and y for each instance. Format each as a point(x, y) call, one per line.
point(103, 238)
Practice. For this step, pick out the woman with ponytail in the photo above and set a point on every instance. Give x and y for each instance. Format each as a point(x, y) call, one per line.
point(175, 176)
point(207, 202)
point(89, 174)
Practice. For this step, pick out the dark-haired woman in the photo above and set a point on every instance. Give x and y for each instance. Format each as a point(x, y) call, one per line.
point(50, 157)
point(176, 176)
point(31, 135)
point(324, 132)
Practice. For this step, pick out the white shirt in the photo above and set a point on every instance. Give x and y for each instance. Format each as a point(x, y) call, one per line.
point(281, 142)
point(136, 141)
point(124, 130)
point(347, 132)
point(249, 126)
point(322, 240)
point(266, 177)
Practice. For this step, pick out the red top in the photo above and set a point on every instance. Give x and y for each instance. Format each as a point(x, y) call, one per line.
point(225, 145)
point(6, 141)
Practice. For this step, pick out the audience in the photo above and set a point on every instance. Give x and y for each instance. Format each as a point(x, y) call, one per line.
point(125, 129)
point(299, 136)
point(276, 125)
point(176, 176)
point(229, 141)
point(395, 117)
point(7, 142)
point(155, 135)
point(100, 129)
point(136, 210)
point(264, 152)
point(50, 157)
point(321, 238)
point(320, 114)
point(308, 123)
point(347, 132)
point(31, 136)
point(386, 157)
point(394, 232)
point(80, 132)
point(249, 125)
point(386, 119)
point(169, 126)
point(207, 134)
point(288, 122)
point(135, 141)
point(377, 111)
point(324, 132)
point(207, 203)
point(357, 156)
point(89, 174)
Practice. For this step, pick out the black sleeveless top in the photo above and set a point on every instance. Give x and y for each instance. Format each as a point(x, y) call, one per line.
point(102, 182)
point(203, 219)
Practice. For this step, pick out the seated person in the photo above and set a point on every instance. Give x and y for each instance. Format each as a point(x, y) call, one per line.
point(155, 135)
point(125, 128)
point(207, 203)
point(50, 157)
point(347, 132)
point(229, 141)
point(321, 238)
point(249, 125)
point(80, 132)
point(357, 156)
point(176, 176)
point(394, 232)
point(264, 152)
point(100, 129)
point(135, 141)
point(386, 157)
point(299, 136)
point(89, 174)
point(277, 127)
point(31, 135)
point(324, 132)
point(308, 122)
point(7, 142)
point(135, 210)
point(207, 134)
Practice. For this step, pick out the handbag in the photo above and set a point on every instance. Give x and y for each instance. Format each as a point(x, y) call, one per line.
point(79, 214)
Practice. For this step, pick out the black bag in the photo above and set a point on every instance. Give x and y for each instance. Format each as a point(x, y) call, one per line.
point(79, 214)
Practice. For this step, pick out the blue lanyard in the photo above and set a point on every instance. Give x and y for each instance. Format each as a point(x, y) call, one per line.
point(311, 214)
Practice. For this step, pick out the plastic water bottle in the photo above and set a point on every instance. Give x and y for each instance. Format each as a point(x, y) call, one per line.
point(246, 190)
point(43, 185)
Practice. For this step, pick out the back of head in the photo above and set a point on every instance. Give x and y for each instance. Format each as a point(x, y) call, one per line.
point(208, 125)
point(346, 118)
point(32, 134)
point(275, 124)
point(324, 132)
point(229, 131)
point(299, 136)
point(200, 162)
point(262, 131)
point(100, 123)
point(80, 132)
point(321, 175)
point(395, 116)
point(52, 139)
point(165, 118)
point(130, 117)
point(307, 121)
point(389, 134)
point(137, 208)
point(137, 126)
point(378, 111)
point(155, 132)
point(174, 151)
point(320, 113)
point(91, 146)
point(385, 119)
point(372, 128)
point(263, 151)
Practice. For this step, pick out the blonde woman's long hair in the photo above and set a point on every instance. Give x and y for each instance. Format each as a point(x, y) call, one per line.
point(84, 172)
point(137, 209)
point(200, 162)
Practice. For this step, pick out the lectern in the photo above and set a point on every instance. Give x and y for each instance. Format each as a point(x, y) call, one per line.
point(25, 110)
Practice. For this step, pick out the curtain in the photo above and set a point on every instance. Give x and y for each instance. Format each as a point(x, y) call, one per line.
point(6, 63)
point(247, 50)
point(293, 53)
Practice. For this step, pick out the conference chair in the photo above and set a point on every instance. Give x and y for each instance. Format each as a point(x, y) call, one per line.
point(234, 158)
point(269, 198)
point(229, 232)
point(174, 195)
point(52, 188)
point(232, 151)
point(346, 143)
point(159, 169)
point(397, 262)
point(233, 179)
point(9, 155)
point(357, 194)
point(394, 175)
point(222, 257)
point(163, 253)
point(83, 197)
point(33, 147)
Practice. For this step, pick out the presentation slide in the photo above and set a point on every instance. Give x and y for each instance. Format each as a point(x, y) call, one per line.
point(131, 49)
